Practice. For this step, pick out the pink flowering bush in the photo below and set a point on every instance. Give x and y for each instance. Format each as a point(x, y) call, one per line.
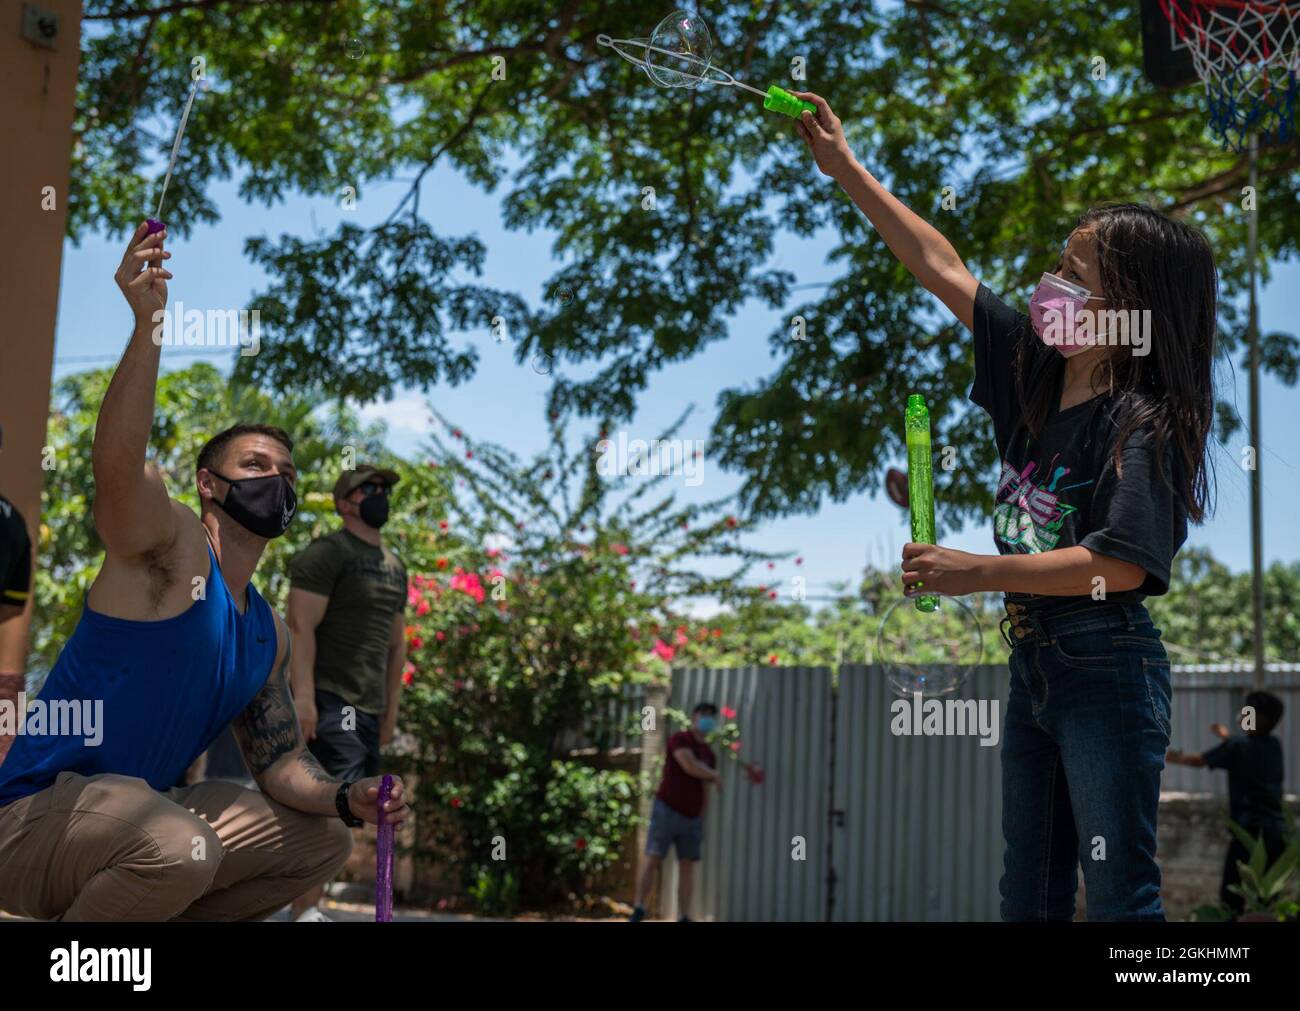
point(555, 597)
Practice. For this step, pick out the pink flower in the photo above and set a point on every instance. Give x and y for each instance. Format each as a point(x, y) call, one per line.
point(422, 608)
point(459, 684)
point(455, 433)
point(495, 574)
point(728, 713)
point(416, 642)
point(412, 595)
point(408, 678)
point(468, 583)
point(772, 595)
point(663, 651)
point(680, 639)
point(798, 561)
point(440, 636)
point(734, 745)
point(493, 552)
point(619, 549)
point(771, 565)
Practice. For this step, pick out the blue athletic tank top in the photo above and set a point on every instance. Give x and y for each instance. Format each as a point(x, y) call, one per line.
point(167, 688)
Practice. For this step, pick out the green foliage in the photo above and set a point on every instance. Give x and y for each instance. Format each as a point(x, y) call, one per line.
point(1206, 616)
point(525, 631)
point(1267, 888)
point(997, 101)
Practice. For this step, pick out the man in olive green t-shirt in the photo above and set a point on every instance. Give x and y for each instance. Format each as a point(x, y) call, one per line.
point(347, 598)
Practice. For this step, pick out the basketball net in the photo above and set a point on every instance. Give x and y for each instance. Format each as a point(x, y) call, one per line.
point(1247, 54)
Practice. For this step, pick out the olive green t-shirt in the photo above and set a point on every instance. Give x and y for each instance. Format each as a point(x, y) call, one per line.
point(366, 586)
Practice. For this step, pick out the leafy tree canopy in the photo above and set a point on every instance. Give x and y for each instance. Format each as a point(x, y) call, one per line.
point(1000, 102)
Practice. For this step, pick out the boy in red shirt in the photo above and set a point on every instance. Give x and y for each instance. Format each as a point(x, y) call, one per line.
point(677, 818)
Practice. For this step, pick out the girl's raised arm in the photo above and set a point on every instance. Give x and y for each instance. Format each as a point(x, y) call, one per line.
point(919, 245)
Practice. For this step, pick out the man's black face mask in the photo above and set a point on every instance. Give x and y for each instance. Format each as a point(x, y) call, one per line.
point(261, 505)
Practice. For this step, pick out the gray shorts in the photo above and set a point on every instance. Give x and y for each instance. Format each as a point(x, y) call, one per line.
point(668, 828)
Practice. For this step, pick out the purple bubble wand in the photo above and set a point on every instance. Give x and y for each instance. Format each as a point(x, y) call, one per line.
point(384, 858)
point(155, 224)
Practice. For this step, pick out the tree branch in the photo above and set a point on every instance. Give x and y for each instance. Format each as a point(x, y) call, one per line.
point(175, 8)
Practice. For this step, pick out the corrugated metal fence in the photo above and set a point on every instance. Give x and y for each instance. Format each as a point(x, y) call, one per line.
point(912, 826)
point(1206, 695)
point(921, 834)
point(748, 871)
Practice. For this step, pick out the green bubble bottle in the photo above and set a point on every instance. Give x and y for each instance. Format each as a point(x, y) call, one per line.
point(920, 481)
point(780, 100)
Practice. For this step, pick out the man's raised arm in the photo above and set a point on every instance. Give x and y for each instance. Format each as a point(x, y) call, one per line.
point(132, 509)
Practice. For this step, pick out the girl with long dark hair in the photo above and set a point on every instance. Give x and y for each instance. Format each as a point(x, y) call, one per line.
point(1101, 399)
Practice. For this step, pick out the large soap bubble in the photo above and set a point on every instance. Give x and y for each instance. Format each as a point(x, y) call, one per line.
point(928, 652)
point(680, 51)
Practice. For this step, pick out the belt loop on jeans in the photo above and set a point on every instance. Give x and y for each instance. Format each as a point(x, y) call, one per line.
point(1022, 623)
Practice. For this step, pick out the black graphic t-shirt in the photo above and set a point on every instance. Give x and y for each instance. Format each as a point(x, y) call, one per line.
point(1061, 489)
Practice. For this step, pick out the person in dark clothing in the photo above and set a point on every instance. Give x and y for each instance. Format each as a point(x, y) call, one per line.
point(677, 818)
point(1255, 770)
point(15, 587)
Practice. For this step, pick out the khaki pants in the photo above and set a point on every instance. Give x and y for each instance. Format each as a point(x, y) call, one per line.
point(111, 848)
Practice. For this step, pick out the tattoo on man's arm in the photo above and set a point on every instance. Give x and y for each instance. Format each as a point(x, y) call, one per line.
point(268, 729)
point(314, 769)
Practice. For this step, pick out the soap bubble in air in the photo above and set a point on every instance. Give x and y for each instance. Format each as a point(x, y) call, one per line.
point(685, 35)
point(928, 652)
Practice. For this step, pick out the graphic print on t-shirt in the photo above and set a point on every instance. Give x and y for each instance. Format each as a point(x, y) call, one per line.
point(1028, 515)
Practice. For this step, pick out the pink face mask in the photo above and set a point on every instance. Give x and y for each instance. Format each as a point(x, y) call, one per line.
point(1056, 314)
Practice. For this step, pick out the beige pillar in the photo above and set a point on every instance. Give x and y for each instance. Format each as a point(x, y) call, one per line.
point(652, 749)
point(37, 94)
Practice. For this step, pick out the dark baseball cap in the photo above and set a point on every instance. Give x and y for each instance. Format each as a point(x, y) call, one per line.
point(350, 480)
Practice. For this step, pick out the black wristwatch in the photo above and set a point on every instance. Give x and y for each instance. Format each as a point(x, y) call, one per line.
point(345, 812)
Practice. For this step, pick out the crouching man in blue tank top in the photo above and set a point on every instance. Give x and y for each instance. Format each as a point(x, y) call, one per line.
point(173, 644)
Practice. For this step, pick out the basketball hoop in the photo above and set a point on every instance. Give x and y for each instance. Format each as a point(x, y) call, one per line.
point(1247, 54)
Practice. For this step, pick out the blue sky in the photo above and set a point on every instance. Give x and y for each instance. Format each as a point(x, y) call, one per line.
point(505, 402)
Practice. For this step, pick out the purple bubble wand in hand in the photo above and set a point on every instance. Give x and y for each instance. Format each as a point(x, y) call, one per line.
point(384, 858)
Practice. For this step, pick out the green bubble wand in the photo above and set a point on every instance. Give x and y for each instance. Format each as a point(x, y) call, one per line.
point(920, 481)
point(678, 54)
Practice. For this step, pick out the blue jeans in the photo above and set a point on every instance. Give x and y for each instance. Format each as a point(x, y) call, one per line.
point(669, 828)
point(1087, 728)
